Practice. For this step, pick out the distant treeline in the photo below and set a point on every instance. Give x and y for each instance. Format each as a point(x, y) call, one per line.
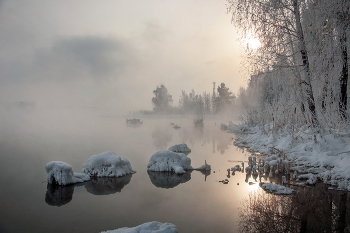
point(191, 103)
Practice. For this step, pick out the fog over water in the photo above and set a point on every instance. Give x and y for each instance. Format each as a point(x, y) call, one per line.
point(111, 55)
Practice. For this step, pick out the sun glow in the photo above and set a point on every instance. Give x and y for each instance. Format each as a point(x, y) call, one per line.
point(252, 43)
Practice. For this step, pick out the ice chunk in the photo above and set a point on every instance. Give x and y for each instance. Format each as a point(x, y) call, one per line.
point(107, 164)
point(148, 227)
point(167, 160)
point(180, 148)
point(61, 173)
point(276, 189)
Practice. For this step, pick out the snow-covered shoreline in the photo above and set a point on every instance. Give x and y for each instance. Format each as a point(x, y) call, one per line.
point(327, 158)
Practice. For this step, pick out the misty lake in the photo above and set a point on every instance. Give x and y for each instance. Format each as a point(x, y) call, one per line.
point(194, 202)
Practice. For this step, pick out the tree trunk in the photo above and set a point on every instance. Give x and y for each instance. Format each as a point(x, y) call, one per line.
point(344, 73)
point(306, 67)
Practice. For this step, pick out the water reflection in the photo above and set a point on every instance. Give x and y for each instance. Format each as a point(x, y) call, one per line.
point(168, 180)
point(311, 209)
point(193, 134)
point(206, 173)
point(59, 195)
point(161, 138)
point(107, 185)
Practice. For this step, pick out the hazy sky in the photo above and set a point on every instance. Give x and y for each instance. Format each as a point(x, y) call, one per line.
point(113, 53)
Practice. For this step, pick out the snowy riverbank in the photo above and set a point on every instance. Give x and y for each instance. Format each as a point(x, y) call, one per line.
point(327, 157)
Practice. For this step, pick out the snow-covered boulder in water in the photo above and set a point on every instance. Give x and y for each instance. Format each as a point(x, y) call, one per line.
point(180, 148)
point(166, 161)
point(107, 164)
point(61, 173)
point(148, 227)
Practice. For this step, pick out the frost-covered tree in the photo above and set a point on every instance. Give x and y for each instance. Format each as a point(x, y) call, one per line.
point(162, 98)
point(224, 98)
point(302, 63)
point(278, 26)
point(192, 103)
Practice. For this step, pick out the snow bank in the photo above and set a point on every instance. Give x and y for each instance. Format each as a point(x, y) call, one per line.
point(61, 173)
point(167, 160)
point(277, 189)
point(107, 164)
point(180, 148)
point(327, 157)
point(148, 227)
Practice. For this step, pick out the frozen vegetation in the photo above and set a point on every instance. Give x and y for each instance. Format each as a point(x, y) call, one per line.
point(61, 173)
point(180, 148)
point(167, 160)
point(308, 158)
point(107, 164)
point(148, 227)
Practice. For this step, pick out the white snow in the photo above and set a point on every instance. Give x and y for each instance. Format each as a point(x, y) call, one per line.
point(61, 173)
point(180, 148)
point(327, 157)
point(148, 227)
point(277, 189)
point(167, 160)
point(107, 164)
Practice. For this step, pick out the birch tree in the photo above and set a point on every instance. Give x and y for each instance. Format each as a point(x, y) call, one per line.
point(278, 25)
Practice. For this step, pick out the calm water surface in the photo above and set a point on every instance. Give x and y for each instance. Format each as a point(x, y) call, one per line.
point(194, 202)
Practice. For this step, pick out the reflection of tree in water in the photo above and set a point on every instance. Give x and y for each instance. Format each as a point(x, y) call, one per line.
point(206, 173)
point(168, 179)
point(309, 210)
point(107, 185)
point(58, 195)
point(205, 134)
point(161, 137)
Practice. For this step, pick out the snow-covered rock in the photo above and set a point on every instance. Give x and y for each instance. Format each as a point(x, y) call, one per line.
point(167, 160)
point(180, 148)
point(107, 164)
point(148, 227)
point(61, 173)
point(277, 189)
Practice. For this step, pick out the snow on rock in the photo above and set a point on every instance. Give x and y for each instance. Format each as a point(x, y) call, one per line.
point(277, 189)
point(107, 164)
point(167, 160)
point(148, 227)
point(61, 173)
point(180, 148)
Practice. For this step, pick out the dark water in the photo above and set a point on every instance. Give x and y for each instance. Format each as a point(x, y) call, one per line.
point(194, 202)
